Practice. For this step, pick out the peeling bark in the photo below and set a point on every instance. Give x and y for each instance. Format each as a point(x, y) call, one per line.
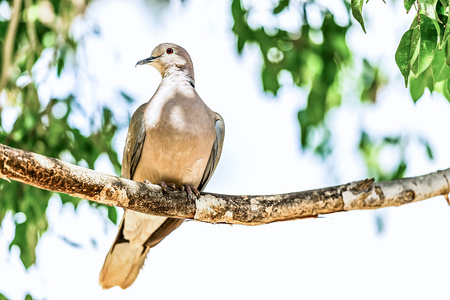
point(58, 176)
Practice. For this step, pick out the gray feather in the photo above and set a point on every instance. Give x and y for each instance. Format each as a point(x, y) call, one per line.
point(216, 151)
point(134, 143)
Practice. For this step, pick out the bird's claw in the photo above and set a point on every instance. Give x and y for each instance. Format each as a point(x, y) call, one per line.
point(196, 192)
point(189, 191)
point(165, 185)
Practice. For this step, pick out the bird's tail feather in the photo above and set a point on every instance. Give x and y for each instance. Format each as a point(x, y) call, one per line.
point(125, 259)
point(122, 263)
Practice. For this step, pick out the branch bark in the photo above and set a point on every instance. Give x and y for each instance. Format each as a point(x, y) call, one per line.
point(58, 176)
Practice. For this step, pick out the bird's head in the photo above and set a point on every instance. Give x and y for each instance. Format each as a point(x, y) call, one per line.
point(168, 58)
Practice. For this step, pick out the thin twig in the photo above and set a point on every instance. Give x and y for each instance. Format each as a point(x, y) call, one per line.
point(9, 42)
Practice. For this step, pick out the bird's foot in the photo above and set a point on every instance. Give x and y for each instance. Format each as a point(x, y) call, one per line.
point(164, 185)
point(190, 190)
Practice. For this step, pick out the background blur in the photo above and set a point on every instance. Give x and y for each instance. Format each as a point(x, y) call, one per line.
point(71, 87)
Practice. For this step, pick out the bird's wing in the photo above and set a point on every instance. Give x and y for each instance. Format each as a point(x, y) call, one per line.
point(134, 143)
point(216, 151)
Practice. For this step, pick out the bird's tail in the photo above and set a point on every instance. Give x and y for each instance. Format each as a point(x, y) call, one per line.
point(122, 263)
point(135, 238)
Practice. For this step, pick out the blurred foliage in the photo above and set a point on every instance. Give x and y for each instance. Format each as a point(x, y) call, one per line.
point(311, 63)
point(28, 29)
point(318, 59)
point(371, 148)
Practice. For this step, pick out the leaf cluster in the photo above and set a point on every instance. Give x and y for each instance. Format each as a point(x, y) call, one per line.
point(319, 61)
point(312, 63)
point(54, 126)
point(423, 50)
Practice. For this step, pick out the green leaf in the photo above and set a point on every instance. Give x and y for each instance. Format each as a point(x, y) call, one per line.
point(281, 6)
point(447, 54)
point(405, 52)
point(429, 151)
point(3, 29)
point(446, 34)
point(270, 81)
point(357, 6)
point(400, 172)
point(428, 148)
point(112, 214)
point(408, 4)
point(428, 8)
point(424, 80)
point(240, 27)
point(417, 85)
point(26, 238)
point(441, 71)
point(446, 89)
point(69, 199)
point(427, 45)
point(371, 80)
point(3, 297)
point(441, 22)
point(56, 4)
point(416, 89)
point(60, 65)
point(440, 8)
point(128, 98)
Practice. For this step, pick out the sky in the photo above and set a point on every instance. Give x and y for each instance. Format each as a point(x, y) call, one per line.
point(336, 256)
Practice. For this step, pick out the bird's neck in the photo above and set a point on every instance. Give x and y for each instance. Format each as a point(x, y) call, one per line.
point(175, 74)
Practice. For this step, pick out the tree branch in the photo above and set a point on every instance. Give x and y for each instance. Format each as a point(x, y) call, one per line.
point(58, 176)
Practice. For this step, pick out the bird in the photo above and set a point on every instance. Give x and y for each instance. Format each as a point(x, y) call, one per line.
point(174, 140)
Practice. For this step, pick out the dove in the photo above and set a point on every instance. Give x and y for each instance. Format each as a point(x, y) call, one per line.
point(174, 140)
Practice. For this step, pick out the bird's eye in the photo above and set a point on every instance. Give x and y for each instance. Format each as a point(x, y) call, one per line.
point(169, 51)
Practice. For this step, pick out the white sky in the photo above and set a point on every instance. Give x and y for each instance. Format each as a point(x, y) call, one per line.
point(338, 256)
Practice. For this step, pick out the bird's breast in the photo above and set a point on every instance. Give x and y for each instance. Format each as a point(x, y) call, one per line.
point(178, 142)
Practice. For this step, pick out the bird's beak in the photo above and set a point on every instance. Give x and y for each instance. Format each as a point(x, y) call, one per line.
point(146, 60)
